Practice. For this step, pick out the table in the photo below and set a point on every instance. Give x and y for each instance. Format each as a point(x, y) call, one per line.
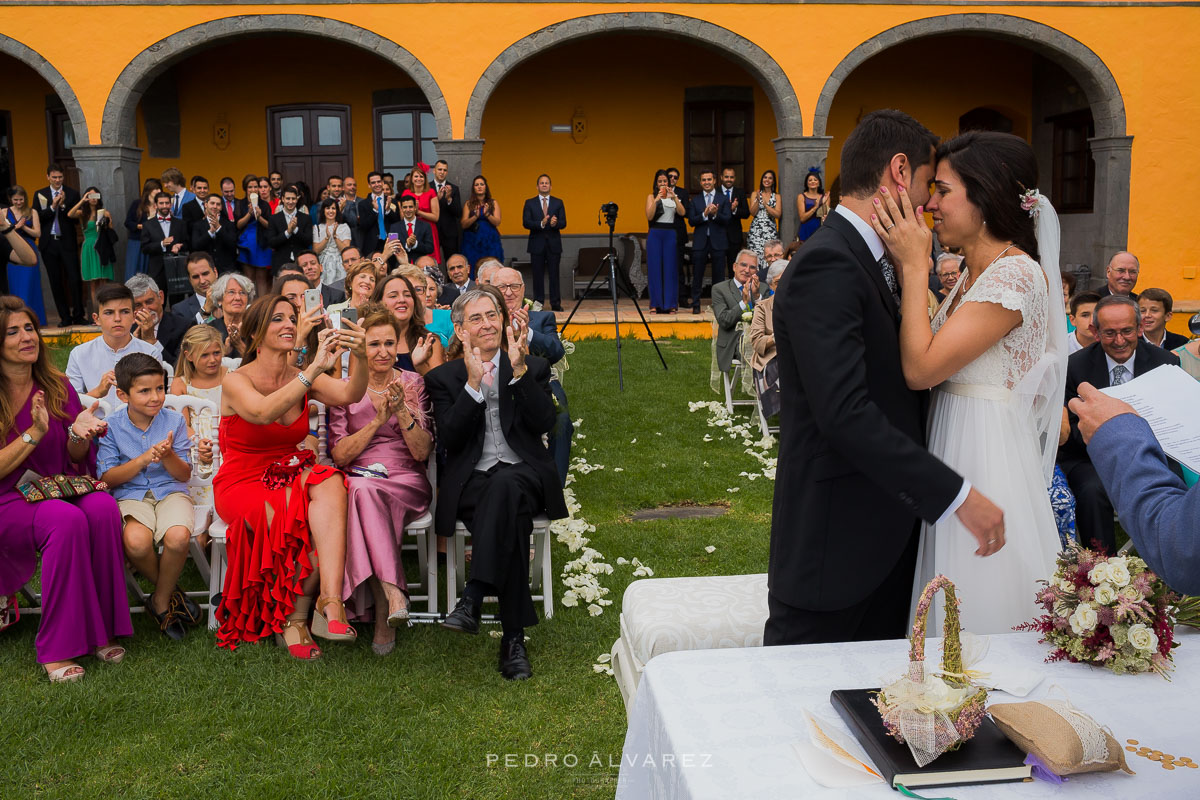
point(722, 723)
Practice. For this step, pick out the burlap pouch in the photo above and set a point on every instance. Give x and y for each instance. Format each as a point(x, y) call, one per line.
point(1065, 740)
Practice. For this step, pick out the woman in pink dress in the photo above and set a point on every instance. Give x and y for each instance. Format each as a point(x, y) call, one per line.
point(382, 442)
point(428, 208)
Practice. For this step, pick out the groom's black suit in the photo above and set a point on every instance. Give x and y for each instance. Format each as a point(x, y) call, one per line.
point(853, 474)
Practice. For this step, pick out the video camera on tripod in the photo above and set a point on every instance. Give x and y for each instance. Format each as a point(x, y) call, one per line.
point(608, 213)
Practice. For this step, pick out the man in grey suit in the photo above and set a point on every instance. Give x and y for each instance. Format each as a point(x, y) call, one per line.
point(732, 298)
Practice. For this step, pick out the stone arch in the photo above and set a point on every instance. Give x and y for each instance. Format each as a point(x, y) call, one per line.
point(750, 56)
point(52, 76)
point(118, 124)
point(1108, 108)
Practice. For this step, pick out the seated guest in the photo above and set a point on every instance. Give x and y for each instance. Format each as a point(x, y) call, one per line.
point(229, 297)
point(199, 373)
point(163, 234)
point(418, 350)
point(730, 299)
point(311, 267)
point(281, 507)
point(948, 269)
point(1156, 307)
point(1122, 275)
point(1118, 355)
point(359, 286)
point(492, 409)
point(150, 323)
point(146, 461)
point(90, 365)
point(416, 235)
point(437, 320)
point(290, 230)
point(46, 430)
point(217, 233)
point(1083, 305)
point(201, 274)
point(772, 252)
point(1157, 511)
point(485, 268)
point(1068, 288)
point(460, 279)
point(330, 235)
point(762, 339)
point(382, 442)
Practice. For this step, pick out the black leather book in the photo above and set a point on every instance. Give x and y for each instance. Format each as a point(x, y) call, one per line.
point(989, 757)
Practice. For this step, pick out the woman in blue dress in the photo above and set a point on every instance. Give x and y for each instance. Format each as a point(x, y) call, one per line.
point(26, 282)
point(253, 215)
point(481, 223)
point(812, 205)
point(139, 211)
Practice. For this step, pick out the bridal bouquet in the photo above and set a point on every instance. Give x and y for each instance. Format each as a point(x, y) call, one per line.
point(1106, 610)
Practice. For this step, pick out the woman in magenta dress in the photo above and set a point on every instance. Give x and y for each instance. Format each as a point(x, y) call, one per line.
point(45, 429)
point(428, 207)
point(382, 441)
point(286, 514)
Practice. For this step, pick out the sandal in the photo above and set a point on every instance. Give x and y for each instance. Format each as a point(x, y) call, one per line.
point(333, 629)
point(110, 654)
point(68, 674)
point(305, 648)
point(400, 616)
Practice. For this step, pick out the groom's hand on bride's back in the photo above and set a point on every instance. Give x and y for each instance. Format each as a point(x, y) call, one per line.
point(984, 520)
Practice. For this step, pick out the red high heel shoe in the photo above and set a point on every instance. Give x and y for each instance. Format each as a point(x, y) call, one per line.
point(304, 648)
point(337, 630)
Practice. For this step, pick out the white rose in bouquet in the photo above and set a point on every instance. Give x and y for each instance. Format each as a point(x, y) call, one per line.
point(1142, 637)
point(1131, 593)
point(1118, 571)
point(1084, 619)
point(1098, 573)
point(1105, 595)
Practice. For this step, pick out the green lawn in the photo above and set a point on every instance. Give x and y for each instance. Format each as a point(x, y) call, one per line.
point(192, 721)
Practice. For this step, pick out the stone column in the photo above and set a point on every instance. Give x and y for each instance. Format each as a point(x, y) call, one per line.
point(1113, 156)
point(113, 168)
point(465, 157)
point(796, 155)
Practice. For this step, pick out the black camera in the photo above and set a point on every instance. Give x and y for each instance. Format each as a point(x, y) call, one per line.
point(609, 212)
point(1194, 325)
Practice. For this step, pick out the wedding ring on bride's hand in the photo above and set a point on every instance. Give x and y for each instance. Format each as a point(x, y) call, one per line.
point(889, 227)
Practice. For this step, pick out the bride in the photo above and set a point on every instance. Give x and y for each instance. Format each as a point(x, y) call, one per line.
point(995, 357)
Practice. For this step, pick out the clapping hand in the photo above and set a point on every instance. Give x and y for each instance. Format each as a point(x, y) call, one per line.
point(40, 416)
point(750, 290)
point(906, 237)
point(106, 382)
point(145, 319)
point(158, 452)
point(204, 451)
point(396, 404)
point(518, 343)
point(424, 349)
point(474, 362)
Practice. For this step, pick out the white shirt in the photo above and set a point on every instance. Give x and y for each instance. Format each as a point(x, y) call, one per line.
point(165, 224)
point(875, 245)
point(1073, 343)
point(287, 220)
point(89, 361)
point(1127, 365)
point(475, 394)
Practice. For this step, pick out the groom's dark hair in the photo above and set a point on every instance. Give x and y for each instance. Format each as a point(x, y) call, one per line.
point(871, 145)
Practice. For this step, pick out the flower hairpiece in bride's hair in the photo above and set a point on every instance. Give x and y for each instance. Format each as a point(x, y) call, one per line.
point(1032, 201)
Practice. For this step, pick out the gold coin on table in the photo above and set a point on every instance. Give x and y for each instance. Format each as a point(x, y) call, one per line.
point(1168, 765)
point(1168, 757)
point(1131, 749)
point(1192, 765)
point(1131, 741)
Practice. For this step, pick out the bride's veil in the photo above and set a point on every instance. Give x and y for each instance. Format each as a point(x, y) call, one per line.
point(1039, 394)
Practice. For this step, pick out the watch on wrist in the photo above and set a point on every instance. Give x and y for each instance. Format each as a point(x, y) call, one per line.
point(29, 440)
point(411, 423)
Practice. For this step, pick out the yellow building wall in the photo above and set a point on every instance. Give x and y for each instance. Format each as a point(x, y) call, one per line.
point(635, 125)
point(23, 94)
point(1149, 50)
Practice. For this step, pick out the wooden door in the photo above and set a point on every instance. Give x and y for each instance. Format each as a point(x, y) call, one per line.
point(60, 135)
point(8, 172)
point(310, 143)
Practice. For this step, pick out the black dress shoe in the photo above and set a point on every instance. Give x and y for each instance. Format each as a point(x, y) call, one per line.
point(168, 621)
point(695, 309)
point(556, 307)
point(186, 608)
point(514, 660)
point(464, 618)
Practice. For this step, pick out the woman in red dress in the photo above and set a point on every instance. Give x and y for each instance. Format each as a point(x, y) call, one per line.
point(286, 514)
point(428, 208)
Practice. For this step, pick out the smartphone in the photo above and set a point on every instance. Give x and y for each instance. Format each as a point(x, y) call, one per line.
point(335, 320)
point(93, 196)
point(393, 237)
point(350, 314)
point(312, 299)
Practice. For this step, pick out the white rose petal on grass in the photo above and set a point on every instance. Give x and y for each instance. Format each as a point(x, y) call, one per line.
point(621, 560)
point(618, 469)
point(595, 610)
point(495, 634)
point(570, 600)
point(633, 441)
point(710, 549)
point(734, 489)
point(604, 658)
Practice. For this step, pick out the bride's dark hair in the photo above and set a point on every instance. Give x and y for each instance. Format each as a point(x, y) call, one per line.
point(996, 169)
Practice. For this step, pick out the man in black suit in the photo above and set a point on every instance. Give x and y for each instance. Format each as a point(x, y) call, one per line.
point(544, 216)
point(59, 244)
point(310, 266)
point(195, 209)
point(739, 210)
point(854, 476)
point(460, 281)
point(1118, 355)
point(162, 234)
point(416, 235)
point(708, 213)
point(151, 324)
point(449, 222)
point(492, 409)
point(217, 234)
point(376, 213)
point(289, 231)
point(1121, 275)
point(201, 274)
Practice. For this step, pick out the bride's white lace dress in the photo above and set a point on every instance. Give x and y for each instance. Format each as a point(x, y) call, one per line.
point(976, 429)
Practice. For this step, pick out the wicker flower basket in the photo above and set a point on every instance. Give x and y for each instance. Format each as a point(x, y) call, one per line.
point(933, 714)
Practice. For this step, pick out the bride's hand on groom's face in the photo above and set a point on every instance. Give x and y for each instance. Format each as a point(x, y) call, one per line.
point(905, 235)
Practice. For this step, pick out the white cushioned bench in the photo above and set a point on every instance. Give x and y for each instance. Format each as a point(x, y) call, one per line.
point(662, 615)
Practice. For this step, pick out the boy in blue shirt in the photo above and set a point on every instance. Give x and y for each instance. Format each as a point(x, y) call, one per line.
point(146, 461)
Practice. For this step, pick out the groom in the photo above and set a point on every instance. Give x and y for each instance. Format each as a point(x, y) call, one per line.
point(854, 476)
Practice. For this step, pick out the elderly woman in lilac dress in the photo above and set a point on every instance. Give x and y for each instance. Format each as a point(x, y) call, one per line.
point(382, 443)
point(45, 429)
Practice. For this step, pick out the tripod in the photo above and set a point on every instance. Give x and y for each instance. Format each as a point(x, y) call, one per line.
point(610, 261)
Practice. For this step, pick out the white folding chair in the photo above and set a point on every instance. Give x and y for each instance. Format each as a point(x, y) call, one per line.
point(423, 541)
point(541, 579)
point(727, 380)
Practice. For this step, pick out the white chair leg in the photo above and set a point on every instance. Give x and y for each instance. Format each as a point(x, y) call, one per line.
point(547, 577)
point(216, 579)
point(431, 570)
point(728, 384)
point(451, 573)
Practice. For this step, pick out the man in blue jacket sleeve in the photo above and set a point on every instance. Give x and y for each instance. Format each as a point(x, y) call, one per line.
point(1160, 513)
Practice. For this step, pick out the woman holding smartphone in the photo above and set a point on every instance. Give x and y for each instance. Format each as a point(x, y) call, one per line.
point(96, 222)
point(253, 214)
point(662, 268)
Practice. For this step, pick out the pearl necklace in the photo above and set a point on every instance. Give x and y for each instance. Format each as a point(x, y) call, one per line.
point(376, 391)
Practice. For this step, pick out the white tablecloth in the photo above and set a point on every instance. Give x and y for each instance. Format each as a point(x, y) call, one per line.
point(722, 723)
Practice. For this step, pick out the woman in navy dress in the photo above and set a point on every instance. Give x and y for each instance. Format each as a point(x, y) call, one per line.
point(812, 204)
point(25, 282)
point(481, 223)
